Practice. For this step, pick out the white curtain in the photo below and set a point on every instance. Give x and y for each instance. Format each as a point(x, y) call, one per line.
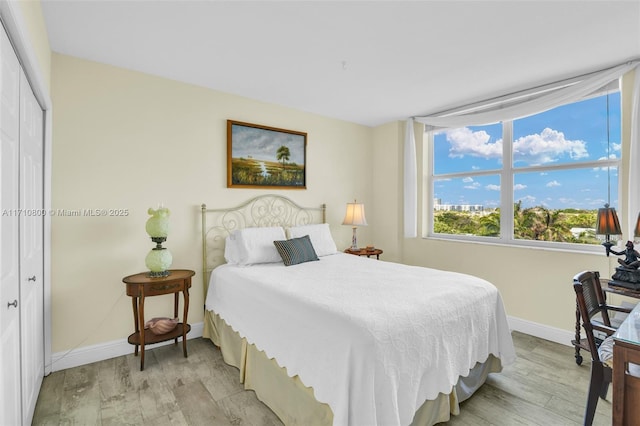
point(410, 183)
point(634, 157)
point(517, 106)
point(521, 105)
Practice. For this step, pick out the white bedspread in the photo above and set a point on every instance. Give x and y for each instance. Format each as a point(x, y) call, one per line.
point(374, 339)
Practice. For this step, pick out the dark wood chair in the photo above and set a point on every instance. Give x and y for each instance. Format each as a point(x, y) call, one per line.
point(594, 312)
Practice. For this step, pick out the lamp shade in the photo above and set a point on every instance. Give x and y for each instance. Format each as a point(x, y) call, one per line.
point(157, 225)
point(607, 221)
point(636, 232)
point(355, 215)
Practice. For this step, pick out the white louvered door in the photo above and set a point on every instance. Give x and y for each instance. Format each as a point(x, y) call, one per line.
point(31, 248)
point(21, 242)
point(10, 397)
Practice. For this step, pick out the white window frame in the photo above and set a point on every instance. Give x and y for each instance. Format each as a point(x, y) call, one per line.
point(507, 199)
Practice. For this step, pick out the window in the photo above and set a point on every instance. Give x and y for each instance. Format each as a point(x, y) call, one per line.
point(534, 180)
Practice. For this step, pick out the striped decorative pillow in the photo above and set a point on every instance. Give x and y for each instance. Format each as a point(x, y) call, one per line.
point(296, 250)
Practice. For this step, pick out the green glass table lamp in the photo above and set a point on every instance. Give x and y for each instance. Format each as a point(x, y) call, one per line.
point(159, 258)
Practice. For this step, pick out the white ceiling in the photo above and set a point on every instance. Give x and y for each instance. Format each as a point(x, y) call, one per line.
point(359, 61)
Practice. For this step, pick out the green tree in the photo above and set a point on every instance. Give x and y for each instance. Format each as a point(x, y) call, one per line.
point(542, 224)
point(283, 155)
point(533, 223)
point(490, 225)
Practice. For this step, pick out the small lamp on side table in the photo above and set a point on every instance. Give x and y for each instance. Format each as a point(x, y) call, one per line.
point(354, 217)
point(159, 258)
point(607, 224)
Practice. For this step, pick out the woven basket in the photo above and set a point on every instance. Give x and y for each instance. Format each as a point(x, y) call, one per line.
point(161, 325)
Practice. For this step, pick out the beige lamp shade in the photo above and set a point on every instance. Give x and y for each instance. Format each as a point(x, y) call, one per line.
point(355, 215)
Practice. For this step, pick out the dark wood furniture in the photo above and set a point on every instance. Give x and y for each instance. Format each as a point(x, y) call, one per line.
point(581, 343)
point(365, 252)
point(590, 300)
point(626, 387)
point(140, 286)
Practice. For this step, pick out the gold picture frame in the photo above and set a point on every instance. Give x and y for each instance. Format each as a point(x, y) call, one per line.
point(265, 157)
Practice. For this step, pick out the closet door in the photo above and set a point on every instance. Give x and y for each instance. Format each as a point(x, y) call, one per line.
point(10, 393)
point(31, 248)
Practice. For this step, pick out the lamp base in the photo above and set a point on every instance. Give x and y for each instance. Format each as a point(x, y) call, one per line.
point(158, 261)
point(159, 274)
point(626, 277)
point(354, 241)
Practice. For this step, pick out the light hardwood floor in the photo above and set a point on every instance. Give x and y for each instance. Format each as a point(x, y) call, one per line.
point(543, 387)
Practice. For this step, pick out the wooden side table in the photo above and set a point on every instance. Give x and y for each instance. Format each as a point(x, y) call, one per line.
point(626, 384)
point(140, 286)
point(626, 388)
point(365, 252)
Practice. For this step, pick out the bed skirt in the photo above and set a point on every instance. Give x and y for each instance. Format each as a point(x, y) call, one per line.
point(295, 404)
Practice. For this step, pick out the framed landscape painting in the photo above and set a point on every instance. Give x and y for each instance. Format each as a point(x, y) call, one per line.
point(265, 157)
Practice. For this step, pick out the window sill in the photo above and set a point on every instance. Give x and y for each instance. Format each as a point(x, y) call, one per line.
point(526, 245)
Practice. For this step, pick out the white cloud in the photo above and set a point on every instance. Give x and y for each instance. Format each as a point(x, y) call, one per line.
point(476, 144)
point(493, 187)
point(519, 186)
point(553, 183)
point(474, 185)
point(467, 180)
point(547, 147)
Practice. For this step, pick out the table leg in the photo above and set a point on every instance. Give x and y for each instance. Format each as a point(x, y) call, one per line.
point(142, 331)
point(176, 295)
point(185, 294)
point(134, 301)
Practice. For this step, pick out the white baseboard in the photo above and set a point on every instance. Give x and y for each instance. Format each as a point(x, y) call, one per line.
point(102, 351)
point(542, 331)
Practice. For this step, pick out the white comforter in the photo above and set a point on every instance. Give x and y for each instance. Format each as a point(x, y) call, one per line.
point(374, 339)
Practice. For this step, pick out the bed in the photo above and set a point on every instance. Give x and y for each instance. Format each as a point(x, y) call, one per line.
point(337, 339)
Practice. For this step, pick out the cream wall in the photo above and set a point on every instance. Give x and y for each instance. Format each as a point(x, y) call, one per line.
point(535, 284)
point(387, 191)
point(127, 140)
point(31, 12)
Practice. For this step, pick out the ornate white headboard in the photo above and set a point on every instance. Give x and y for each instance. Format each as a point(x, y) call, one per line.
point(264, 210)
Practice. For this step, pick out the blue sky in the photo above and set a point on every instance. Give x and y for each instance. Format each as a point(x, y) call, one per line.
point(566, 135)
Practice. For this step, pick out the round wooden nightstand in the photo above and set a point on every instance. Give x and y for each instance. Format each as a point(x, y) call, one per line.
point(140, 286)
point(365, 252)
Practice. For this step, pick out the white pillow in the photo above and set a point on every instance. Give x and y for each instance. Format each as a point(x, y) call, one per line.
point(231, 251)
point(320, 236)
point(255, 245)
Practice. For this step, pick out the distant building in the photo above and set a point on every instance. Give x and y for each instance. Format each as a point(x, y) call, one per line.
point(471, 208)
